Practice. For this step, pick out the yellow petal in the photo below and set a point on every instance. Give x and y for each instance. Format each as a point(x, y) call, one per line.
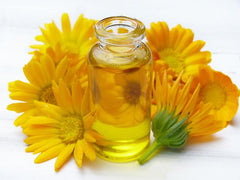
point(42, 120)
point(66, 97)
point(28, 75)
point(50, 153)
point(174, 91)
point(23, 118)
point(48, 67)
point(186, 39)
point(37, 73)
point(203, 57)
point(191, 104)
point(89, 151)
point(45, 35)
point(22, 86)
point(50, 143)
point(89, 137)
point(165, 33)
point(35, 139)
point(41, 72)
point(89, 119)
point(78, 25)
point(64, 156)
point(77, 96)
point(78, 153)
point(20, 107)
point(54, 32)
point(37, 145)
point(95, 134)
point(50, 110)
point(36, 46)
point(39, 38)
point(33, 131)
point(66, 26)
point(192, 48)
point(183, 96)
point(23, 96)
point(62, 68)
point(86, 105)
point(173, 34)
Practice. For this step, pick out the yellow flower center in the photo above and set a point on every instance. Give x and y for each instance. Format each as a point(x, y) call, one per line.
point(71, 129)
point(173, 59)
point(213, 93)
point(47, 95)
point(132, 92)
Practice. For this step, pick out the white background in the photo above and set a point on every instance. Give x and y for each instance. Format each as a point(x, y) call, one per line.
point(215, 21)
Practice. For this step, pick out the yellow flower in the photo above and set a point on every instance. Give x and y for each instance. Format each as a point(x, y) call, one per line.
point(174, 50)
point(64, 130)
point(41, 71)
point(123, 98)
point(73, 42)
point(179, 115)
point(178, 99)
point(218, 89)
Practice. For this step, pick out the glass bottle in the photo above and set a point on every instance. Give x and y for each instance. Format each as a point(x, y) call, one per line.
point(120, 71)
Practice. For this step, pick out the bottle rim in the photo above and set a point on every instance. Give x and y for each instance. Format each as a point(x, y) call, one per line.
point(107, 30)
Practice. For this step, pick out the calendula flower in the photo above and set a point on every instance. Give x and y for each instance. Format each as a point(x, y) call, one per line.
point(123, 98)
point(218, 89)
point(179, 115)
point(41, 71)
point(64, 130)
point(174, 50)
point(73, 42)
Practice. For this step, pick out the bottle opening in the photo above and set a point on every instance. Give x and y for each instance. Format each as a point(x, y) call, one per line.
point(120, 30)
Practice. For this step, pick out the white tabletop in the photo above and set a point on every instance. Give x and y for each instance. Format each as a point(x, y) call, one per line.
point(215, 21)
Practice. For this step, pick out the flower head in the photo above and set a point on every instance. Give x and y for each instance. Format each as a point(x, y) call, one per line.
point(179, 115)
point(122, 98)
point(174, 50)
point(218, 90)
point(73, 42)
point(41, 72)
point(64, 130)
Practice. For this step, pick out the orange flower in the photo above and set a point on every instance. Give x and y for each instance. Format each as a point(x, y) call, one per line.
point(179, 100)
point(218, 89)
point(174, 50)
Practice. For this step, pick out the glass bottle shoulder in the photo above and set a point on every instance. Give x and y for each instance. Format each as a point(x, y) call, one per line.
point(119, 57)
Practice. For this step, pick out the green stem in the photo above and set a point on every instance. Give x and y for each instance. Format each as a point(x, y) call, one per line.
point(150, 150)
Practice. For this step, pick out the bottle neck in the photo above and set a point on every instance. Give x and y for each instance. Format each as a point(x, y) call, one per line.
point(120, 33)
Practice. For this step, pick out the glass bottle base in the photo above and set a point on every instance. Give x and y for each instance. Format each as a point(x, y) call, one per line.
point(122, 151)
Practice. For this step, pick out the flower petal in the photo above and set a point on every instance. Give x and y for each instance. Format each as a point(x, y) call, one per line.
point(78, 153)
point(50, 153)
point(64, 156)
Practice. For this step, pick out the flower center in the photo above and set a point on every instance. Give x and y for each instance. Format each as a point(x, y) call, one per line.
point(47, 95)
point(71, 129)
point(132, 92)
point(173, 59)
point(213, 93)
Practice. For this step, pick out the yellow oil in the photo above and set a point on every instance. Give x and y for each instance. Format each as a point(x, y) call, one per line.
point(121, 95)
point(119, 68)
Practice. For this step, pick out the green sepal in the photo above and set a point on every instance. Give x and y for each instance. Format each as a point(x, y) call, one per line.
point(168, 130)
